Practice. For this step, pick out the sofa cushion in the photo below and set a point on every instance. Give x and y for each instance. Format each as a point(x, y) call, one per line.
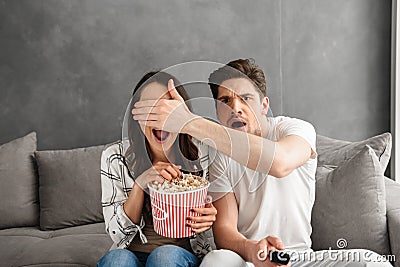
point(76, 250)
point(74, 246)
point(69, 187)
point(19, 196)
point(13, 246)
point(350, 205)
point(335, 152)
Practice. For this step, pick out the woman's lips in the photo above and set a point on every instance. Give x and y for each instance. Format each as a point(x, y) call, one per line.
point(161, 136)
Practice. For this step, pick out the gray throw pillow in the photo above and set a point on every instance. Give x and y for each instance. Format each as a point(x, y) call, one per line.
point(335, 152)
point(19, 197)
point(69, 187)
point(350, 205)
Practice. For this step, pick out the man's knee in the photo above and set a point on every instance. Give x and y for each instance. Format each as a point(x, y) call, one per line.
point(363, 258)
point(370, 258)
point(348, 257)
point(222, 257)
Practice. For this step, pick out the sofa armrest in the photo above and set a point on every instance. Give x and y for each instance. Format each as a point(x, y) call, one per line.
point(393, 217)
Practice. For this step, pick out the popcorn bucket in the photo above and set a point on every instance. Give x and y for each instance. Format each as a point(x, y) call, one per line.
point(170, 210)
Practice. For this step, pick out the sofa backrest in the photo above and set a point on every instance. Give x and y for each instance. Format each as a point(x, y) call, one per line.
point(19, 202)
point(61, 187)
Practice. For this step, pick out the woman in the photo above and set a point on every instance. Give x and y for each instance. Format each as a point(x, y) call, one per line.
point(152, 155)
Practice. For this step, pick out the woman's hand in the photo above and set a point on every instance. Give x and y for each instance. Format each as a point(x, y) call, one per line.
point(205, 220)
point(159, 172)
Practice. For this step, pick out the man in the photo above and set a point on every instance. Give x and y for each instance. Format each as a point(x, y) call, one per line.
point(257, 210)
point(263, 181)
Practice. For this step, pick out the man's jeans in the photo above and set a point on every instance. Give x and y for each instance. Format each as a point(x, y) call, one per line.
point(167, 255)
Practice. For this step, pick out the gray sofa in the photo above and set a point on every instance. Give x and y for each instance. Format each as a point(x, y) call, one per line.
point(51, 215)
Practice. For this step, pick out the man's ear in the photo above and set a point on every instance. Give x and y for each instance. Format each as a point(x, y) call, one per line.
point(265, 105)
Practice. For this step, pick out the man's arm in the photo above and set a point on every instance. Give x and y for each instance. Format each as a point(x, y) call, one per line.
point(226, 235)
point(257, 153)
point(225, 231)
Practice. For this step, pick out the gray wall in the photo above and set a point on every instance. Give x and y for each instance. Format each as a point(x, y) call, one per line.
point(67, 67)
point(336, 65)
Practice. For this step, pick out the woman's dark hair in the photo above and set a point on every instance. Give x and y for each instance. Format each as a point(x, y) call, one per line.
point(138, 153)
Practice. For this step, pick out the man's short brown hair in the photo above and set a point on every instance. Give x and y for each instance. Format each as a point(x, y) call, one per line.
point(239, 68)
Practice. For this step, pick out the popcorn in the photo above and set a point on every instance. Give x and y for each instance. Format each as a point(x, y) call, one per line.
point(187, 182)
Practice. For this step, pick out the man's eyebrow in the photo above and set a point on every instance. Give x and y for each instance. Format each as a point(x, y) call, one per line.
point(241, 96)
point(247, 95)
point(223, 97)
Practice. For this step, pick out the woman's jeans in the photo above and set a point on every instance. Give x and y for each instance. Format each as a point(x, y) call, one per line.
point(167, 256)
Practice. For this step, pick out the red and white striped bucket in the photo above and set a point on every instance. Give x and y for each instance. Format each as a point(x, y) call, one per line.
point(170, 210)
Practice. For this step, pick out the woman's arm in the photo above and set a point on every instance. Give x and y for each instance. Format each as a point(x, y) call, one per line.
point(115, 184)
point(122, 198)
point(158, 172)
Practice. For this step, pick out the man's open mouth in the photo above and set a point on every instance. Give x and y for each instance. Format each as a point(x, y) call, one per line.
point(160, 135)
point(237, 123)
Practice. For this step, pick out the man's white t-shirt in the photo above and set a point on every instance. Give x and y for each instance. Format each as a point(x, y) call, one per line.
point(266, 204)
